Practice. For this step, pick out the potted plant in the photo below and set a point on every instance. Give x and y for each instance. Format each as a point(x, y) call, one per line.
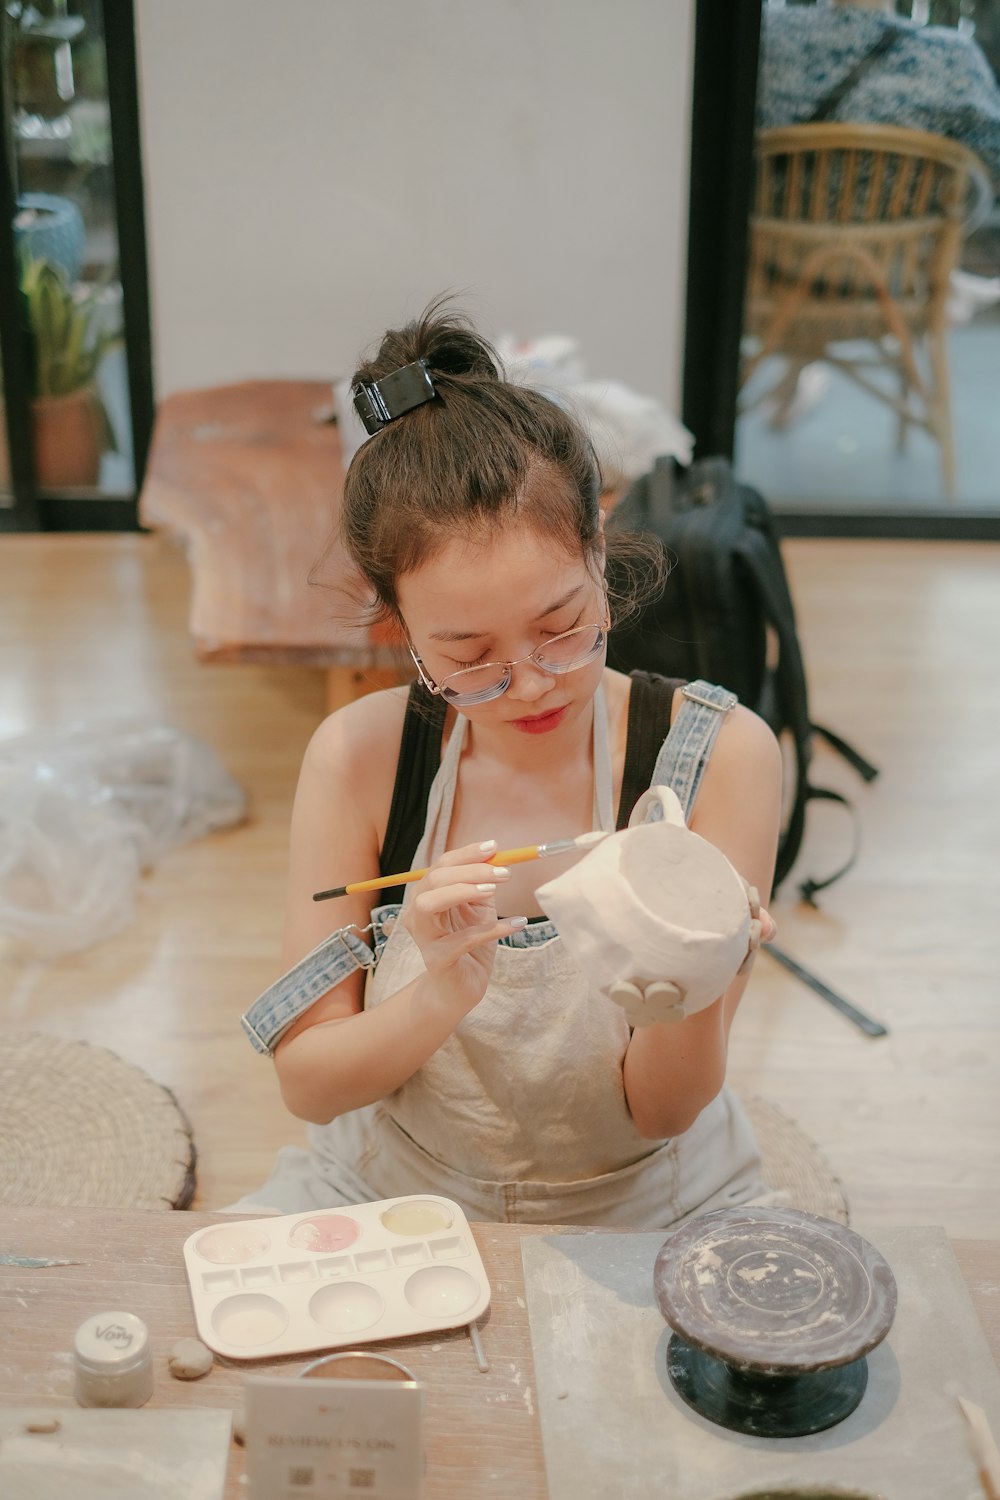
point(70, 425)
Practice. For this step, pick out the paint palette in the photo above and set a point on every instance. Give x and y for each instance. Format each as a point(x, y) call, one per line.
point(293, 1283)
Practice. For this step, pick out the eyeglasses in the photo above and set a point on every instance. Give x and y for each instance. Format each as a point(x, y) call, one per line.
point(563, 653)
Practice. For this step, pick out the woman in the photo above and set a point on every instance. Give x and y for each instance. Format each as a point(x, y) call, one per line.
point(473, 1059)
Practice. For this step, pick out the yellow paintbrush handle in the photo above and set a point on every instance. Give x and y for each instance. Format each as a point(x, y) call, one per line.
point(382, 882)
point(502, 857)
point(514, 856)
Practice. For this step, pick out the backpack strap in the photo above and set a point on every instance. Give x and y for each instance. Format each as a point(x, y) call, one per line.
point(684, 753)
point(792, 711)
point(788, 685)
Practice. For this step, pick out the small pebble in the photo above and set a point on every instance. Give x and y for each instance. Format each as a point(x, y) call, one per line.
point(189, 1359)
point(43, 1424)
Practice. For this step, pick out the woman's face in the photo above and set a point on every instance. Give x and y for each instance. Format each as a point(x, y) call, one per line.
point(496, 601)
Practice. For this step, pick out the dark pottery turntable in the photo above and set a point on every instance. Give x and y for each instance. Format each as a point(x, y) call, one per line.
point(807, 1492)
point(773, 1311)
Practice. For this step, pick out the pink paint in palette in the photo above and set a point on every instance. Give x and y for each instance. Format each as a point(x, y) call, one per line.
point(295, 1283)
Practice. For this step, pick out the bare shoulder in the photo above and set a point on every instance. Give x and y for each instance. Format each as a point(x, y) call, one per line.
point(361, 735)
point(340, 812)
point(746, 745)
point(738, 806)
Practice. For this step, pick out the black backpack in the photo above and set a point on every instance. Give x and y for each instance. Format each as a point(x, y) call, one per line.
point(726, 614)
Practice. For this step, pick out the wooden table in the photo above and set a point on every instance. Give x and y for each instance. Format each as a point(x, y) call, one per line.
point(249, 479)
point(483, 1435)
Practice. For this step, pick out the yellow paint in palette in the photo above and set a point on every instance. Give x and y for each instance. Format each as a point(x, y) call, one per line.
point(416, 1218)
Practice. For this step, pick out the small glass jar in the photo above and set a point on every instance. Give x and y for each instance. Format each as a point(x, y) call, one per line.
point(112, 1361)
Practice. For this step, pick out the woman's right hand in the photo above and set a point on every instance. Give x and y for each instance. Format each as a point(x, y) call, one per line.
point(452, 918)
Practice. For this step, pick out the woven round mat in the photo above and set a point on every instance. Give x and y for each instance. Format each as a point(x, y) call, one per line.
point(82, 1128)
point(793, 1164)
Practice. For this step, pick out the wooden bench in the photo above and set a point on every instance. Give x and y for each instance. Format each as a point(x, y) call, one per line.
point(249, 479)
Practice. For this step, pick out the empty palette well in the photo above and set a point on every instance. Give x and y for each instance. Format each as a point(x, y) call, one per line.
point(268, 1287)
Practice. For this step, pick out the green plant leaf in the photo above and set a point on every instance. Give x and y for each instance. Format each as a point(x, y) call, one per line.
point(65, 326)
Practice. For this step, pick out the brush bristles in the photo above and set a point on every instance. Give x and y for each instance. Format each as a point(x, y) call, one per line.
point(588, 840)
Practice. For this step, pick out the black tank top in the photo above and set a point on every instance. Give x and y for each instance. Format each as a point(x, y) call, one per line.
point(650, 703)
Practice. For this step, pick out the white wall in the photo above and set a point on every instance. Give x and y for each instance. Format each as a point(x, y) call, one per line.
point(317, 170)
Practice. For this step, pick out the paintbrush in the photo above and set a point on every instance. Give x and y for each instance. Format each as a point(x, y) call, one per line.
point(502, 857)
point(982, 1446)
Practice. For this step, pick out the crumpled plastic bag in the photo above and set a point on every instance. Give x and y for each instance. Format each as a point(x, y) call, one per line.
point(629, 431)
point(85, 810)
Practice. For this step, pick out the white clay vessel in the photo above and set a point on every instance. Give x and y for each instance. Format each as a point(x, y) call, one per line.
point(655, 915)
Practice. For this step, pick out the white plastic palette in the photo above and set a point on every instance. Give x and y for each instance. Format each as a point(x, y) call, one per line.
point(299, 1282)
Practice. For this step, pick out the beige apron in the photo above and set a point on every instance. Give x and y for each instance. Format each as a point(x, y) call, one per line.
point(521, 1115)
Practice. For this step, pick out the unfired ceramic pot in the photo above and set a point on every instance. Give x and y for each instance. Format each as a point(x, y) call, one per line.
point(656, 916)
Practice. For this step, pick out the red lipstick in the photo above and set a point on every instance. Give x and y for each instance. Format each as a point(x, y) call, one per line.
point(541, 723)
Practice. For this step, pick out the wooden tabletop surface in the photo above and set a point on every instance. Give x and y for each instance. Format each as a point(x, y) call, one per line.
point(249, 479)
point(482, 1431)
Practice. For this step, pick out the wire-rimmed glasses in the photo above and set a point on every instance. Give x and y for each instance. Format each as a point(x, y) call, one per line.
point(471, 685)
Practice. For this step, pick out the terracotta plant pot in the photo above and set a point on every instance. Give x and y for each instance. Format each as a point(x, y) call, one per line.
point(68, 441)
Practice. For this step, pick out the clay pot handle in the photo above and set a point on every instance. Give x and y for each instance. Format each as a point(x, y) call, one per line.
point(662, 798)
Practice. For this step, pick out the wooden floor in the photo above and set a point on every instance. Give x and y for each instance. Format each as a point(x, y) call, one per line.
point(902, 643)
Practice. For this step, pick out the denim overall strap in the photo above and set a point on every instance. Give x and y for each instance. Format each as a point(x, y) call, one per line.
point(283, 1002)
point(684, 753)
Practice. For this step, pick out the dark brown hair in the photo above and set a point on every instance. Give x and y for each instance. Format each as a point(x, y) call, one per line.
point(482, 456)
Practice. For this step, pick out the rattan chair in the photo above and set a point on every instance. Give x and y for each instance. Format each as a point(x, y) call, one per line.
point(854, 233)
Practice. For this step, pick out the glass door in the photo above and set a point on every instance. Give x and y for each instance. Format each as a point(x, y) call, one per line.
point(871, 332)
point(81, 341)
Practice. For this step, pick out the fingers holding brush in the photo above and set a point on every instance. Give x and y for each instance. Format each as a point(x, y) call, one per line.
point(436, 902)
point(470, 865)
point(452, 918)
point(456, 896)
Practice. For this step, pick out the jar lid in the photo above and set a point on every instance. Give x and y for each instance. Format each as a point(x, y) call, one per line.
point(112, 1342)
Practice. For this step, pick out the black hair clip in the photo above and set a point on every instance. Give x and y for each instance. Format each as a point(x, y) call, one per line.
point(380, 401)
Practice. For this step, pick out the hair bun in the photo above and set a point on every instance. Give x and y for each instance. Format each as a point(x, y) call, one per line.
point(451, 346)
point(444, 339)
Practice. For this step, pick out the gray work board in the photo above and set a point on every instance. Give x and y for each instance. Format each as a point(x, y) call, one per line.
point(103, 1454)
point(613, 1426)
